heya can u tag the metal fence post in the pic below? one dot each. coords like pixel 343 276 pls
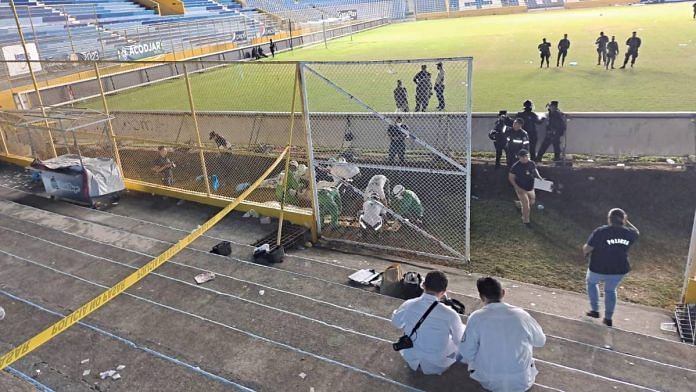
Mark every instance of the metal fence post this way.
pixel 96 22
pixel 469 108
pixel 33 32
pixel 33 76
pixel 3 139
pixel 112 134
pixel 690 270
pixel 287 159
pixel 310 153
pixel 67 28
pixel 198 133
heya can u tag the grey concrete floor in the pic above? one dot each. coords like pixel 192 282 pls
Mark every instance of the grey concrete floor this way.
pixel 296 326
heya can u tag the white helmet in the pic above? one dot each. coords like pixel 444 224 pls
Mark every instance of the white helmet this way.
pixel 398 190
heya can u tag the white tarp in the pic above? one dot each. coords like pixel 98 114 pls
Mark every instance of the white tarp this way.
pixel 103 176
pixel 16 52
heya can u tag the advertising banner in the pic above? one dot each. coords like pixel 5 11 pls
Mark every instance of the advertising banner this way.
pixel 16 52
pixel 140 51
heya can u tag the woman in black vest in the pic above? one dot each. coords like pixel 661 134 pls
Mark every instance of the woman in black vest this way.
pixel 608 249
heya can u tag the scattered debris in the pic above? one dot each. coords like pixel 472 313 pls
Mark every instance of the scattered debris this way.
pixel 120 367
pixel 311 389
pixel 533 304
pixel 2 313
pixel 308 244
pixel 668 327
pixel 262 292
pixel 86 372
pixel 540 207
pixel 590 160
pixel 116 376
pixel 251 214
pixel 671 161
pixel 302 375
pixel 107 374
pixel 608 347
pixel 265 220
pixel 515 286
pixel 573 63
pixel 84 361
pixel 204 277
pixel 621 165
pixel 242 187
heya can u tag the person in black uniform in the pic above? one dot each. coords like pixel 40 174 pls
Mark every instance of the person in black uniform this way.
pixel 517 139
pixel 499 135
pixel 612 52
pixel 694 11
pixel 563 46
pixel 521 176
pixel 398 132
pixel 633 44
pixel 555 129
pixel 424 87
pixel 608 248
pixel 601 43
pixel 401 97
pixel 272 46
pixel 530 121
pixel 544 52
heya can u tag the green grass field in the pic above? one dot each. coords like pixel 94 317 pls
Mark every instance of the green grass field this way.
pixel 506 65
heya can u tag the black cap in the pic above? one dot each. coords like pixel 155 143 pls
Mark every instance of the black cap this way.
pixel 502 112
pixel 553 103
pixel 527 104
pixel 440 64
pixel 522 153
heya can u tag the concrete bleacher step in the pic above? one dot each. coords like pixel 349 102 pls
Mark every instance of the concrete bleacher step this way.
pixel 571 354
pixel 275 317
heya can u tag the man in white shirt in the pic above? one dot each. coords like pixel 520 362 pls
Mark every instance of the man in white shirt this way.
pixel 435 343
pixel 498 342
pixel 440 87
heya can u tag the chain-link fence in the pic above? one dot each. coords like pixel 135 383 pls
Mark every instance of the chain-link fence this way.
pixel 391 148
pixel 221 124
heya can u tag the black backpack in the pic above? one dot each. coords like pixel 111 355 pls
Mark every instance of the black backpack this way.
pixel 224 249
pixel 411 285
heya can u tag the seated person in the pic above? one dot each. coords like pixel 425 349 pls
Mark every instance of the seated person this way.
pixel 498 342
pixel 435 343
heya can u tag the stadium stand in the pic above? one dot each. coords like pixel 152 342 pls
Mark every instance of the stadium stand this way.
pixel 88 30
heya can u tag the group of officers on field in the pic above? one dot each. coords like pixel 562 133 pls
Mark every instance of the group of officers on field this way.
pixel 607 50
pixel 512 134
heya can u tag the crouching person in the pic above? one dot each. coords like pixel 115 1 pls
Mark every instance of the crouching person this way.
pixel 433 329
pixel 498 342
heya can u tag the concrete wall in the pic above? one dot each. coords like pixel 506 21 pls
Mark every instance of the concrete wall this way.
pixel 615 134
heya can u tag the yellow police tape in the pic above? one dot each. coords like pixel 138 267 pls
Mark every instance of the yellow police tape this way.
pixel 84 310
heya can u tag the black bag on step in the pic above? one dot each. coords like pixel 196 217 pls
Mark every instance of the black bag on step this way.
pixel 224 249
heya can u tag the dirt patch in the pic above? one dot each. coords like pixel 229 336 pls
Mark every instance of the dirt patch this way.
pixel 660 203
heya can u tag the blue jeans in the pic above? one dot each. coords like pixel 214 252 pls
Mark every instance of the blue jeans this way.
pixel 611 282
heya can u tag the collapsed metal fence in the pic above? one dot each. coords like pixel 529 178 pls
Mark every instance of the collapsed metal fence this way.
pixel 347 134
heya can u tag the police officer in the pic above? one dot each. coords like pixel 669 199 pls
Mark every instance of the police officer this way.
pixel 499 136
pixel 612 52
pixel 530 121
pixel 555 129
pixel 517 139
pixel 563 46
pixel 601 43
pixel 401 97
pixel 424 88
pixel 633 44
pixel 544 52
